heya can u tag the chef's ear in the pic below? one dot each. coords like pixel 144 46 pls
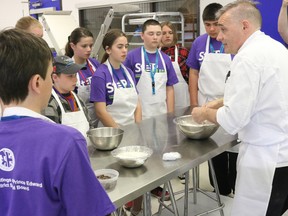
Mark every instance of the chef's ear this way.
pixel 245 24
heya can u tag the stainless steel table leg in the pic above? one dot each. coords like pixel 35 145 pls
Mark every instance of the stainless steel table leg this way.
pixel 147 204
pixel 198 176
pixel 186 192
pixel 172 197
pixel 161 201
pixel 195 184
pixel 220 204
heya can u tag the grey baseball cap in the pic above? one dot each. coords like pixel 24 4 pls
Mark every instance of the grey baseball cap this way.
pixel 64 64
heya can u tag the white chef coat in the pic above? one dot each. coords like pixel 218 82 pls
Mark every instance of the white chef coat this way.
pixel 256 107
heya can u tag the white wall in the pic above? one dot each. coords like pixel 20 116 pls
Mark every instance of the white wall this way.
pixel 70 5
pixel 11 11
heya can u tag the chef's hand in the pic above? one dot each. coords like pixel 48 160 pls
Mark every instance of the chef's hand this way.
pixel 199 114
pixel 285 3
pixel 215 104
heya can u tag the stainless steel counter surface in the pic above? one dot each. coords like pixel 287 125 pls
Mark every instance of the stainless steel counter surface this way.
pixel 162 135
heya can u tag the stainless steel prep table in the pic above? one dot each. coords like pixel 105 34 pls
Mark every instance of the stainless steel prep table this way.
pixel 161 134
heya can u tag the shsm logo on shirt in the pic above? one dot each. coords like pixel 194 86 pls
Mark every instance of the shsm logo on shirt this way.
pixel 7 159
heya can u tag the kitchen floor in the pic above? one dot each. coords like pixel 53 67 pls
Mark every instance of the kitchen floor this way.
pixel 203 202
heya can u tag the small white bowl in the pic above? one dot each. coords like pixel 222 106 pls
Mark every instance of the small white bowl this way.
pixel 107 178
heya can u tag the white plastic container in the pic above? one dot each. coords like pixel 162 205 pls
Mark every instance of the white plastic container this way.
pixel 107 178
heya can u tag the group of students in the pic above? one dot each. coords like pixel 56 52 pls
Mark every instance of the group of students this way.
pixel 127 87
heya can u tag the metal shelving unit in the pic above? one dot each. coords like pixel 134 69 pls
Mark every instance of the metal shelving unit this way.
pixel 132 22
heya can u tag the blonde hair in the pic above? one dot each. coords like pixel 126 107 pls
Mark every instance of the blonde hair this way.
pixel 26 22
pixel 173 28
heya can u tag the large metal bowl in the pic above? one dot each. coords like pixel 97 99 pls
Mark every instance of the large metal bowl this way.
pixel 105 138
pixel 194 130
pixel 132 156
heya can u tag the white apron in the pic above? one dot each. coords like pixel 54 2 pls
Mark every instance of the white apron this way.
pixel 152 104
pixel 181 89
pixel 213 71
pixel 125 101
pixel 83 92
pixel 75 119
pixel 255 171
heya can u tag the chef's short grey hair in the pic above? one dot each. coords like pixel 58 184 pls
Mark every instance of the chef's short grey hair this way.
pixel 243 10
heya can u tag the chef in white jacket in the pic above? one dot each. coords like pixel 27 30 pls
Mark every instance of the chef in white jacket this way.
pixel 255 106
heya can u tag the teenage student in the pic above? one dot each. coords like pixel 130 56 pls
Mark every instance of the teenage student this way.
pixel 255 106
pixel 113 87
pixel 153 71
pixel 178 55
pixel 79 47
pixel 113 90
pixel 155 77
pixel 64 106
pixel 45 168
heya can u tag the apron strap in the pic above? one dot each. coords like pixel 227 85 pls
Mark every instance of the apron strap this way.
pixel 176 54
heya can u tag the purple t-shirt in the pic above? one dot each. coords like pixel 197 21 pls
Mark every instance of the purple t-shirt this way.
pixel 86 74
pixel 133 61
pixel 102 89
pixel 198 49
pixel 45 170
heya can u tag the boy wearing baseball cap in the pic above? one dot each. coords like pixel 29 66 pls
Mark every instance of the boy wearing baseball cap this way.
pixel 64 106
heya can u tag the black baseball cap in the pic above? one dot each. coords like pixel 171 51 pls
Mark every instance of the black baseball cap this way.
pixel 64 64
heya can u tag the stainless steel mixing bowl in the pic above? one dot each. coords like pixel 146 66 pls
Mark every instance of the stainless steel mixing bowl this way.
pixel 105 138
pixel 132 156
pixel 194 130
